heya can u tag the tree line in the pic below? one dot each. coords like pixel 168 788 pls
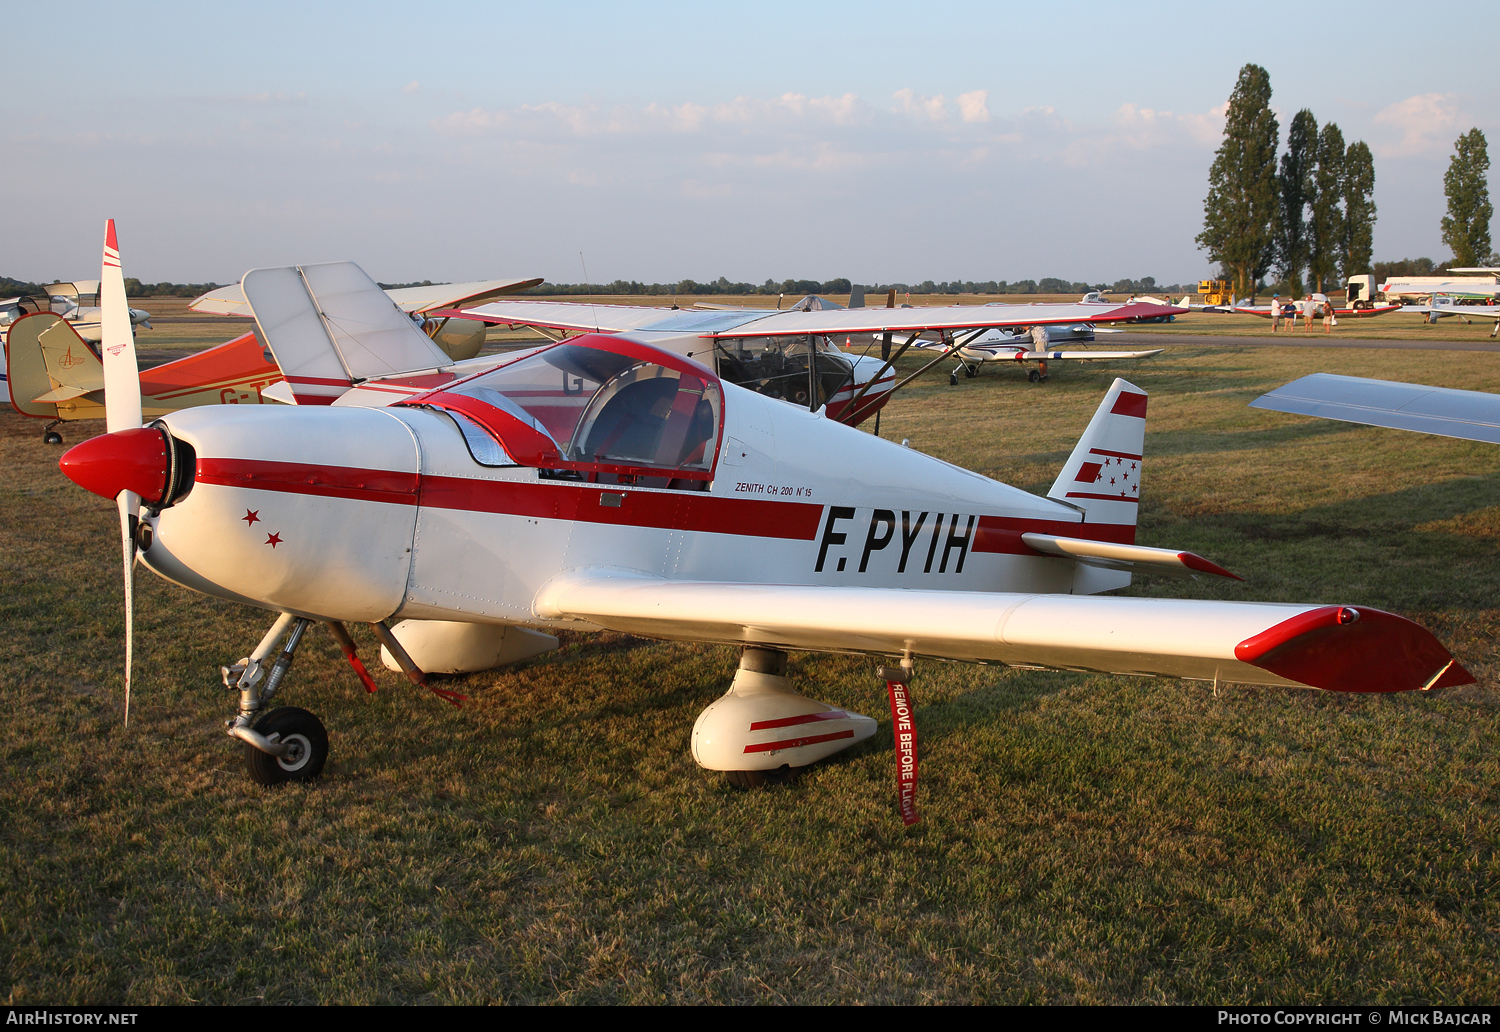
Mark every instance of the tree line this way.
pixel 723 287
pixel 1313 211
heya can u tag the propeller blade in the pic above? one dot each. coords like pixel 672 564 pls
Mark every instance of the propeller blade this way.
pixel 129 504
pixel 122 411
pixel 122 377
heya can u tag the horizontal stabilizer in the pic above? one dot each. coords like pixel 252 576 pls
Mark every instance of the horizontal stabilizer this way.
pixel 1333 647
pixel 60 394
pixel 1106 553
pixel 1470 415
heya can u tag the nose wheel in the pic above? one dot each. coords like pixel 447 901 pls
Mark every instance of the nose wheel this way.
pixel 303 739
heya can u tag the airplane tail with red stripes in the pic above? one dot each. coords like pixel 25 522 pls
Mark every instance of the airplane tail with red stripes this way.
pixel 1103 475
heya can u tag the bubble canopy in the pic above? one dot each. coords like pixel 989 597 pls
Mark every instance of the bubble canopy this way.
pixel 613 409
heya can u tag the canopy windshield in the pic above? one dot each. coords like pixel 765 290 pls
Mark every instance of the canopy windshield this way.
pixel 617 410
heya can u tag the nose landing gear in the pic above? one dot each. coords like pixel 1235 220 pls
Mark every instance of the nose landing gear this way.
pixel 287 743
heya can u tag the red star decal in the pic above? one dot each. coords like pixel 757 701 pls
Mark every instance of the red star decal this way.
pixel 273 539
pixel 1111 481
pixel 251 518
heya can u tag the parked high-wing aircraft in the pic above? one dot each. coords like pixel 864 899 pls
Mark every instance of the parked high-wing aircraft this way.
pixel 58 376
pixel 459 340
pixel 1442 306
pixel 791 354
pixel 1471 415
pixel 78 303
pixel 1020 345
pixel 607 482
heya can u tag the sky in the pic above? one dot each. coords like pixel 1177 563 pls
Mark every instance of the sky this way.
pixel 656 142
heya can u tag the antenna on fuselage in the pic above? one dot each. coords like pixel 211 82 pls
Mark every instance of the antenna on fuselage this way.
pixel 590 288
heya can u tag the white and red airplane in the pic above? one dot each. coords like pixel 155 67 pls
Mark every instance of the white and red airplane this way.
pixel 606 482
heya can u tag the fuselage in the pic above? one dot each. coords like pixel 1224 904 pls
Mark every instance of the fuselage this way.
pixel 363 513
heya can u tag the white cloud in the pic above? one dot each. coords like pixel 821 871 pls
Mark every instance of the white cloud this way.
pixel 412 87
pixel 1426 122
pixel 972 106
pixel 915 104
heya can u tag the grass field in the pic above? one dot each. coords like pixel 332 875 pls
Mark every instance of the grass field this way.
pixel 1084 838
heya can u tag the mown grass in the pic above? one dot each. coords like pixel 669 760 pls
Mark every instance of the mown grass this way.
pixel 1084 838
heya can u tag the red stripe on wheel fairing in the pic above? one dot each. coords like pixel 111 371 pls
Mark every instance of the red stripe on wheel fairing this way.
pixel 806 718
pixel 796 743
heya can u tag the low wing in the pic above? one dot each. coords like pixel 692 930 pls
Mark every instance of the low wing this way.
pixel 1470 415
pixel 1332 647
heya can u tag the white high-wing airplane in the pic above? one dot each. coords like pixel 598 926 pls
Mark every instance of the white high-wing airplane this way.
pixel 1021 344
pixel 791 354
pixel 606 482
pixel 1441 306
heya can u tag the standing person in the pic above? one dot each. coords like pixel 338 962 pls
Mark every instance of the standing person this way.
pixel 1275 311
pixel 1310 310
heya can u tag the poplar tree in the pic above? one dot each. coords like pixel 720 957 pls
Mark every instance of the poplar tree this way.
pixel 1466 227
pixel 1239 214
pixel 1295 183
pixel 1359 209
pixel 1326 227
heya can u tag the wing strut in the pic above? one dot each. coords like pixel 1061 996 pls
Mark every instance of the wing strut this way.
pixel 853 412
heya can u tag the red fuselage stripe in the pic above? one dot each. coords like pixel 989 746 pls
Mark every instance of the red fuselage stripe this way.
pixel 561 500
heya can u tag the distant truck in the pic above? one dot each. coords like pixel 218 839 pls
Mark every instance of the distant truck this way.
pixel 1483 288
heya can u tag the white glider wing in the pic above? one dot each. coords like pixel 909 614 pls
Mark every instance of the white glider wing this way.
pixel 1470 415
pixel 1339 648
pixel 230 300
pixel 330 326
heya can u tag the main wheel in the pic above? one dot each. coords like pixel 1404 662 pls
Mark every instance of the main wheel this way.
pixel 305 735
pixel 970 372
pixel 762 778
pixel 1034 376
pixel 52 437
pixel 953 378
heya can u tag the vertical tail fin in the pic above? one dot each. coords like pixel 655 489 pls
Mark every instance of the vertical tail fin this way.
pixel 1103 475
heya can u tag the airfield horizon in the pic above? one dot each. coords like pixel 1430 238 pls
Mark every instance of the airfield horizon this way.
pixel 1085 838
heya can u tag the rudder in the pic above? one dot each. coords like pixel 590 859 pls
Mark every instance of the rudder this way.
pixel 1103 475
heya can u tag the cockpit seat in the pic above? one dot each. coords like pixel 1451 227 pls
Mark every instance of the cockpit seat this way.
pixel 631 424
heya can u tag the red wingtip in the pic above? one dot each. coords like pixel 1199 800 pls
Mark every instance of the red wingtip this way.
pixel 109 236
pixel 1201 565
pixel 1349 649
